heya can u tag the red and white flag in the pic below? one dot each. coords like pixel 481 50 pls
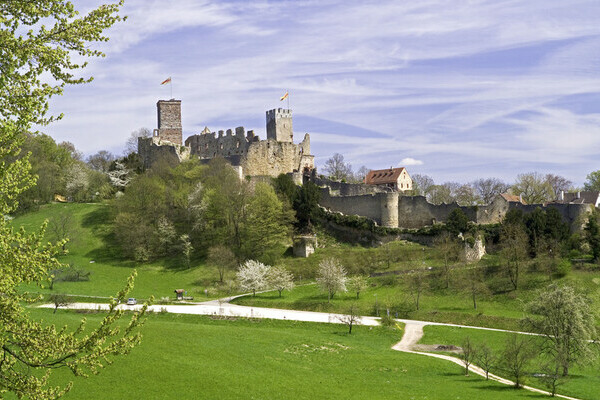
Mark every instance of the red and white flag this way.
pixel 168 80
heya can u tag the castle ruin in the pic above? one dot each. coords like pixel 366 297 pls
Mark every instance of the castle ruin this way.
pixel 249 155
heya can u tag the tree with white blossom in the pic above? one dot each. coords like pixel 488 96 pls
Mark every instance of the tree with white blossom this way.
pixel 252 275
pixel 280 279
pixel 331 276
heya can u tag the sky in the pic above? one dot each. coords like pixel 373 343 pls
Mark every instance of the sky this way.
pixel 457 90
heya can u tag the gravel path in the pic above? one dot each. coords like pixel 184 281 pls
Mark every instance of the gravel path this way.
pixel 413 332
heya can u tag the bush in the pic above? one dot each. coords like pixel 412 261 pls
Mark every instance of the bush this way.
pixel 563 268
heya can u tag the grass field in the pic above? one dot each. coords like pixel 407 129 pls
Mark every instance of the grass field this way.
pixel 583 382
pixel 202 358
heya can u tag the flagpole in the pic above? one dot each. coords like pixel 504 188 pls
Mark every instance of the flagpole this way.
pixel 288 98
pixel 171 85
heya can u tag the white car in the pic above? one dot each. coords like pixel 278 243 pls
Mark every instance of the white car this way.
pixel 131 301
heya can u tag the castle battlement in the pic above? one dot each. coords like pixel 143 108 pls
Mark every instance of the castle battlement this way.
pixel 279 113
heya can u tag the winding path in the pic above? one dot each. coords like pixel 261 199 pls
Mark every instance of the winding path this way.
pixel 413 331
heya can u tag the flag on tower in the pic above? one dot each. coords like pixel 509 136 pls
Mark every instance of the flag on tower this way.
pixel 168 80
pixel 285 96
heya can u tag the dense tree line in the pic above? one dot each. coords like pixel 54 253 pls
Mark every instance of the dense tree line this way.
pixel 206 204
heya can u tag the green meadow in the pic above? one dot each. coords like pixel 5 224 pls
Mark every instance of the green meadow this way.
pixel 203 358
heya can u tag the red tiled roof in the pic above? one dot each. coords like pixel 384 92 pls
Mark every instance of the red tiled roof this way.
pixel 383 176
pixel 511 198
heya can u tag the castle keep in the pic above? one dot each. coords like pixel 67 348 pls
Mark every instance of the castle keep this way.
pixel 244 150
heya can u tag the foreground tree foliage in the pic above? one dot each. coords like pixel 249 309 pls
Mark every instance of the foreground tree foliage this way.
pixel 38 38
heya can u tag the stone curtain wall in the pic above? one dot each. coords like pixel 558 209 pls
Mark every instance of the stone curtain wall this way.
pixel 393 210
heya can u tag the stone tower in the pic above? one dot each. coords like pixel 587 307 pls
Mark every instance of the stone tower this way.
pixel 279 125
pixel 169 120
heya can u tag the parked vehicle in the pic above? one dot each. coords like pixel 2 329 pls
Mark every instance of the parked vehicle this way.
pixel 131 301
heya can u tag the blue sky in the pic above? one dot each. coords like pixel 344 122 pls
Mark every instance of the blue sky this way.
pixel 456 90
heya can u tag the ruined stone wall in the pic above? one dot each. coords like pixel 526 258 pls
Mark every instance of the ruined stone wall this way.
pixel 154 148
pixel 271 158
pixel 416 212
pixel 347 189
pixel 368 205
pixel 224 144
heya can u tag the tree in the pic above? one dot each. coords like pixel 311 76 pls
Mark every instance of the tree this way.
pixel 306 206
pixel 227 200
pixel 267 222
pixel 534 188
pixel 358 284
pixel 592 235
pixel 513 241
pixel 166 234
pixel 101 161
pixel 62 227
pixel 223 258
pixel 567 323
pixel 337 169
pixel 592 181
pixel 517 356
pixel 457 222
pixel 422 184
pixel 186 248
pixel 488 189
pixel 361 174
pixel 351 317
pixel 252 275
pixel 486 359
pixel 131 145
pixel 468 353
pixel 551 376
pixel 59 300
pixel 416 284
pixel 558 184
pixel 331 277
pixel 448 248
pixel 465 195
pixel 119 176
pixel 280 279
pixel 438 194
pixel 37 40
pixel 474 284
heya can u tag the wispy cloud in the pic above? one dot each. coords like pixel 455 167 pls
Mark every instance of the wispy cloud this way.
pixel 472 89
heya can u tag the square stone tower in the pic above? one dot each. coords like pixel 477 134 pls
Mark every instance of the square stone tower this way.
pixel 279 125
pixel 169 120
